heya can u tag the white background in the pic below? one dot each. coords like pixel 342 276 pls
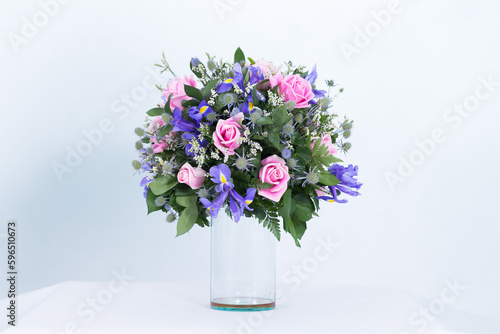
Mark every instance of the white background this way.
pixel 440 222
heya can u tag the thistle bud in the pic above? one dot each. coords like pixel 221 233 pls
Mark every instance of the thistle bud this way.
pixel 290 105
pixel 138 145
pixel 299 118
pixel 324 102
pixel 346 146
pixel 195 62
pixel 166 118
pixel 211 65
pixel 171 217
pixel 136 165
pixel 150 151
pixel 347 133
pixel 347 126
pixel 160 201
pixel 139 132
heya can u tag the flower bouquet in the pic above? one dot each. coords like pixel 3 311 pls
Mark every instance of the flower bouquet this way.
pixel 248 137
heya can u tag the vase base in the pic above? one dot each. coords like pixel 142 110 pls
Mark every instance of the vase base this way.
pixel 245 304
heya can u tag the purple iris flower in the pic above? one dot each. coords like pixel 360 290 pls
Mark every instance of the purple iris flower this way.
pixel 348 183
pixel 221 176
pixel 311 77
pixel 180 124
pixel 256 74
pixel 145 183
pixel 227 84
pixel 247 107
pixel 197 113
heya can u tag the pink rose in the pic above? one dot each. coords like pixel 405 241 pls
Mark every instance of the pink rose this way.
pixel 159 145
pixel 294 87
pixel 266 67
pixel 227 133
pixel 275 172
pixel 176 87
pixel 326 140
pixel 191 176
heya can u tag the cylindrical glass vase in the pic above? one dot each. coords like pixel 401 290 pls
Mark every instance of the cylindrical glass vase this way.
pixel 243 265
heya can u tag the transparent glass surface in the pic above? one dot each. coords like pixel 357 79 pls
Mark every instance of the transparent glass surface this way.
pixel 243 265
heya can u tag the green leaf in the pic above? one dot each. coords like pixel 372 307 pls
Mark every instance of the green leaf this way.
pixel 155 112
pixel 328 179
pixel 285 210
pixel 239 56
pixel 273 226
pixel 165 129
pixel 150 201
pixel 315 149
pixel 183 190
pixel 193 92
pixel 265 185
pixel 167 105
pixel 199 75
pixel 304 152
pixel 280 117
pixel 264 120
pixel 274 138
pixel 145 140
pixel 290 228
pixel 187 220
pixel 208 87
pixel 162 184
pixel 251 61
pixel 187 201
pixel 190 103
pixel 260 213
pixel 304 207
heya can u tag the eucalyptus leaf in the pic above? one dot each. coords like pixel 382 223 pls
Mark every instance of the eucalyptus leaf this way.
pixel 187 201
pixel 187 219
pixel 155 112
pixel 162 184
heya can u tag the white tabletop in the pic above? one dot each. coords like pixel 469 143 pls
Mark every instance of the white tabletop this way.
pixel 97 307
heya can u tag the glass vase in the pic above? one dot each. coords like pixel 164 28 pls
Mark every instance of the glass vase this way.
pixel 243 265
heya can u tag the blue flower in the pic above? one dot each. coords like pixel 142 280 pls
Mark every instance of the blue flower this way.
pixel 221 175
pixel 311 77
pixel 197 113
pixel 348 183
pixel 145 183
pixel 237 79
pixel 180 124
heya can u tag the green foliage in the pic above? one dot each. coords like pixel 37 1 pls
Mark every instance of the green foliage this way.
pixel 280 117
pixel 162 184
pixel 187 201
pixel 155 112
pixel 328 179
pixel 150 202
pixel 193 92
pixel 274 138
pixel 208 87
pixel 187 219
pixel 264 121
pixel 239 56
